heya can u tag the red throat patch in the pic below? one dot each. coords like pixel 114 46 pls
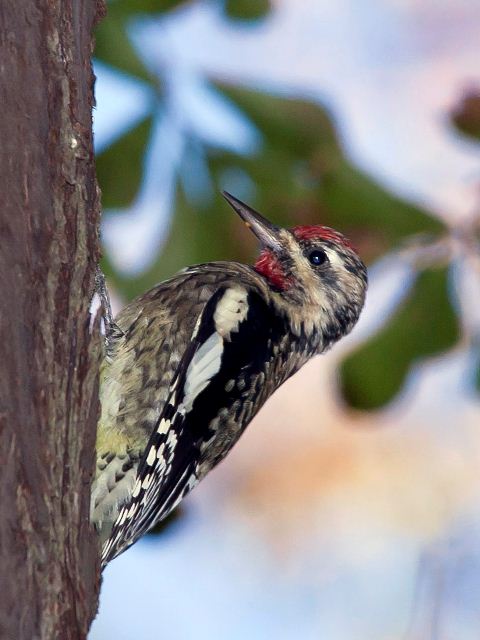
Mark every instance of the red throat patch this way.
pixel 268 265
pixel 319 232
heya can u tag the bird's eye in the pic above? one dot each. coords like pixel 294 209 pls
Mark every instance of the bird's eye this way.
pixel 317 257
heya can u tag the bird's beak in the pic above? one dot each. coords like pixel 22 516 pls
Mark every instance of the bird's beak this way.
pixel 266 232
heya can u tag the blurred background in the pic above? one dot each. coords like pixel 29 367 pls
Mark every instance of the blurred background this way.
pixel 351 507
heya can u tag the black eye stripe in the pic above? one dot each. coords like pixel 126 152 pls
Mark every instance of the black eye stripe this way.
pixel 317 257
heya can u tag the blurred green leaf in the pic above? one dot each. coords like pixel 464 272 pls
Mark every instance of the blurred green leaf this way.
pixel 199 233
pixel 132 7
pixel 303 175
pixel 424 325
pixel 466 116
pixel 297 126
pixel 120 166
pixel 247 9
pixel 356 203
pixel 113 46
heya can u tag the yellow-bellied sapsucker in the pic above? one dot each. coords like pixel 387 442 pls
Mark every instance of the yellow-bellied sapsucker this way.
pixel 189 363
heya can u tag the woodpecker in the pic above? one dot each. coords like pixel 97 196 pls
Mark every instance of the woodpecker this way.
pixel 189 363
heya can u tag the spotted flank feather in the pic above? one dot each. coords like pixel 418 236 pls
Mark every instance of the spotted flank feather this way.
pixel 159 486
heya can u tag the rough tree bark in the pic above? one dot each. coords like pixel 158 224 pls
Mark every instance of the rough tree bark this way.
pixel 49 213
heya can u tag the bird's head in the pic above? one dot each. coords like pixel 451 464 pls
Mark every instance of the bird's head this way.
pixel 313 269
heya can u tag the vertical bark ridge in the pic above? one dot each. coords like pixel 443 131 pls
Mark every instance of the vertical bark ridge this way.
pixel 49 215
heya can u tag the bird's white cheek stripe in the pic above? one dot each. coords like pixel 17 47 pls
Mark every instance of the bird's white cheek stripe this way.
pixel 334 258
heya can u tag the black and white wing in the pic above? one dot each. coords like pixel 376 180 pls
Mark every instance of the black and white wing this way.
pixel 227 372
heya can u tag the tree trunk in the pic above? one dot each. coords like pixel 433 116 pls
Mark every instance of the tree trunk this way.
pixel 49 214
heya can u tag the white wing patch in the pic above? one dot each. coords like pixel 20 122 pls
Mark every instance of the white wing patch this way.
pixel 231 310
pixel 204 365
pixel 334 257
